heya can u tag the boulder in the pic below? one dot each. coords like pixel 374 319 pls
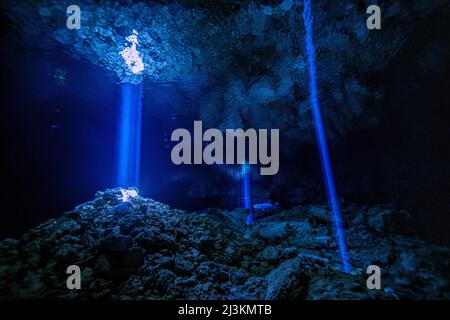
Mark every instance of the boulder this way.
pixel 273 231
pixel 128 222
pixel 321 214
pixel 386 220
pixel 183 266
pixel 287 281
pixel 269 254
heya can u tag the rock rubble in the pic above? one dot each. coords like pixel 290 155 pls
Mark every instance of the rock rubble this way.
pixel 142 249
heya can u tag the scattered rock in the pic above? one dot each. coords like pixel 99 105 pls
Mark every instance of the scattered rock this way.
pixel 69 253
pixel 129 222
pixel 286 282
pixel 124 208
pixel 274 231
pixel 323 215
pixel 269 254
pixel 144 250
pixel 386 220
pixel 165 262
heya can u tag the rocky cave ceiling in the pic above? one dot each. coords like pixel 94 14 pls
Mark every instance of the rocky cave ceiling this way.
pixel 245 55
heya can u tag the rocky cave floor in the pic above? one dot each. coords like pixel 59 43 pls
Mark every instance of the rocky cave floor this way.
pixel 142 249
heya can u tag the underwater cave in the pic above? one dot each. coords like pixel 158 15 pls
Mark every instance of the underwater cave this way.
pixel 354 120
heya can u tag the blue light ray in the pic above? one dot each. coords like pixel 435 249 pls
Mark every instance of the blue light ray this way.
pixel 129 135
pixel 321 138
pixel 246 191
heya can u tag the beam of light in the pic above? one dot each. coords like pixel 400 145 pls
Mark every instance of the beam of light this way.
pixel 321 138
pixel 131 54
pixel 246 191
pixel 263 206
pixel 127 194
pixel 129 135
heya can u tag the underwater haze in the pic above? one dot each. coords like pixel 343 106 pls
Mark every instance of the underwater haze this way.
pixel 320 170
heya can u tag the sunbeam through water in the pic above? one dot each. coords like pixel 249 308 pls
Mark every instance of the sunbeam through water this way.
pixel 321 138
pixel 129 135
